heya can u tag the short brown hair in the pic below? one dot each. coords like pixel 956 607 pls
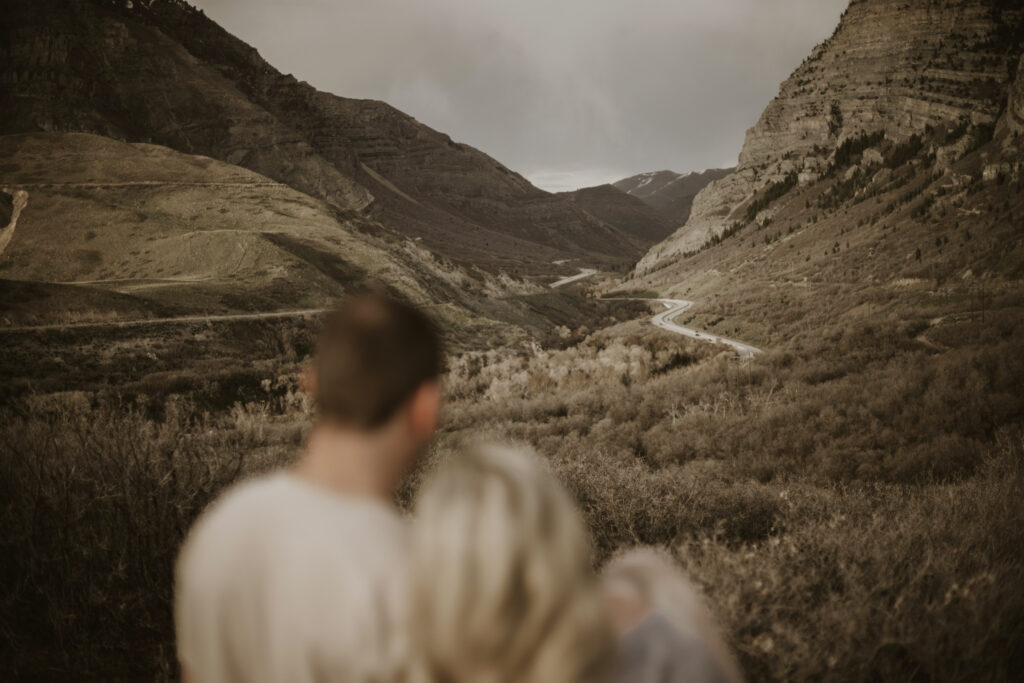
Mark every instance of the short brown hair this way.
pixel 374 352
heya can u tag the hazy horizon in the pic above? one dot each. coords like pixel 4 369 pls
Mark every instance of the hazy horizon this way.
pixel 569 95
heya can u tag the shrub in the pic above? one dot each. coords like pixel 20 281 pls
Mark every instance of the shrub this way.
pixel 96 503
pixel 878 583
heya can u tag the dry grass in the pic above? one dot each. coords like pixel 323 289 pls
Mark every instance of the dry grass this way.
pixel 879 582
pixel 96 500
pixel 848 501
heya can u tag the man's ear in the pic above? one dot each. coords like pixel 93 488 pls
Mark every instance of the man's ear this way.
pixel 425 409
pixel 307 380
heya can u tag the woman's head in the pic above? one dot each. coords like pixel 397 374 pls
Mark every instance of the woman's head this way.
pixel 645 582
pixel 503 589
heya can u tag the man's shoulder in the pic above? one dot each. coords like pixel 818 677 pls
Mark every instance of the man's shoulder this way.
pixel 279 526
pixel 281 510
pixel 244 506
pixel 247 498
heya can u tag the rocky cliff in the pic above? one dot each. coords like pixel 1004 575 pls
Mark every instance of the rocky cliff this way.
pixel 897 67
pixel 160 71
pixel 669 193
pixel 1011 125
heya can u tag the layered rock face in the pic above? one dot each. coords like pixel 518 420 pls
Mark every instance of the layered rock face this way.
pixel 669 193
pixel 1011 124
pixel 160 71
pixel 896 66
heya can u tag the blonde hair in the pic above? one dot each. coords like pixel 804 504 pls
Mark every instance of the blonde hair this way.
pixel 502 584
pixel 661 587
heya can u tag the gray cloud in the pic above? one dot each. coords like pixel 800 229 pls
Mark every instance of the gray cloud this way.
pixel 567 92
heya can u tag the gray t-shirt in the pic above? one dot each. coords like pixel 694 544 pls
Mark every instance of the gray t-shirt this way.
pixel 656 652
pixel 283 581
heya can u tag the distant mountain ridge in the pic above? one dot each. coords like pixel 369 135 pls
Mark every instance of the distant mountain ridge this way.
pixel 629 214
pixel 668 192
pixel 160 71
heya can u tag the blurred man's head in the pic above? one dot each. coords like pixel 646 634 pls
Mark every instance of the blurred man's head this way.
pixel 335 567
pixel 377 367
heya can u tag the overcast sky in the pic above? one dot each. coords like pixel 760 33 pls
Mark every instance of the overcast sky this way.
pixel 567 92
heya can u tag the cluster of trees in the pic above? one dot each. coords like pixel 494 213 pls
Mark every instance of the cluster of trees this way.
pixel 771 193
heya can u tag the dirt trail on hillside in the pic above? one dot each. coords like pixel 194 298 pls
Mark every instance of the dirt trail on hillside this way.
pixel 19 200
pixel 126 285
pixel 584 272
pixel 297 313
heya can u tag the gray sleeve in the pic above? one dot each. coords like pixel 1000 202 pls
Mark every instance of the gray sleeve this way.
pixel 655 652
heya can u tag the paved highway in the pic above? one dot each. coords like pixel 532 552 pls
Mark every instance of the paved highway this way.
pixel 675 307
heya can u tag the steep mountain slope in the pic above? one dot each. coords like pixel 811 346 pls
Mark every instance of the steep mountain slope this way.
pixel 893 67
pixel 160 71
pixel 903 202
pixel 670 193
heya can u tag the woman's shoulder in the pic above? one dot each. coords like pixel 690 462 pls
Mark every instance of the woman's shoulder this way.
pixel 655 651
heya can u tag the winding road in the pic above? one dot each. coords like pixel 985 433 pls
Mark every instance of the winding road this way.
pixel 673 307
pixel 664 319
pixel 677 306
pixel 584 272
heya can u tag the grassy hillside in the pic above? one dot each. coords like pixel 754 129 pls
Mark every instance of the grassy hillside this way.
pixel 629 214
pixel 191 233
pixel 849 494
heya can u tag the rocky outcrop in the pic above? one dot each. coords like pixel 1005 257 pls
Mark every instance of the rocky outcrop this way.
pixel 12 203
pixel 670 193
pixel 162 72
pixel 1011 125
pixel 896 66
